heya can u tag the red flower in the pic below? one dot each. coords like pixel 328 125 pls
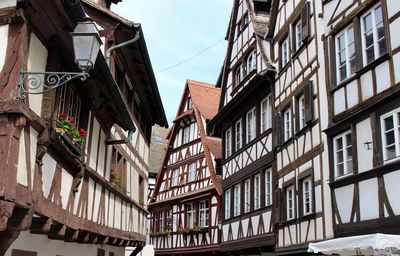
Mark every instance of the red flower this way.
pixel 61 115
pixel 71 119
pixel 82 132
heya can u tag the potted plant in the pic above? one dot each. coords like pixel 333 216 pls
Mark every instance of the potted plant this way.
pixel 114 178
pixel 66 128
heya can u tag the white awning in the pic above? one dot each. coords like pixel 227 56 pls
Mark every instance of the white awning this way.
pixel 374 244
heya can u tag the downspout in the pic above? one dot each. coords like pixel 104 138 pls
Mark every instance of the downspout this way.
pixel 108 58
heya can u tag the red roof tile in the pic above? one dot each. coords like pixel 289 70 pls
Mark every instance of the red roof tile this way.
pixel 206 98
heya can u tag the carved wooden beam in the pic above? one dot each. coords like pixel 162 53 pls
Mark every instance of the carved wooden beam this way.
pixel 57 231
pixel 21 219
pixel 71 235
pixel 83 237
pixel 102 239
pixel 6 239
pixel 6 209
pixel 41 225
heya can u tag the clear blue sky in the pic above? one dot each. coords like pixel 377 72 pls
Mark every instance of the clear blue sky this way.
pixel 176 30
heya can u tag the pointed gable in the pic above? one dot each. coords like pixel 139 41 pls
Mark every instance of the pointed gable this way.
pixel 205 97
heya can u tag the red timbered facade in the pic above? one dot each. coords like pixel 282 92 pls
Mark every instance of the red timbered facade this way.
pixel 185 206
pixel 54 189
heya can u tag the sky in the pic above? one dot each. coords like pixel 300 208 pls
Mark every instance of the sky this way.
pixel 176 30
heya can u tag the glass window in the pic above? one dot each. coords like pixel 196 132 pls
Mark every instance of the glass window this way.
pixel 290 203
pixel 287 123
pixel 373 35
pixel 238 135
pixel 268 187
pixel 251 124
pixel 190 215
pixel 343 156
pixel 257 190
pixel 390 124
pixel 227 204
pixel 236 200
pixel 192 172
pixel 186 135
pixel 285 51
pixel 298 33
pixel 251 61
pixel 239 75
pixel 161 222
pixel 307 196
pixel 302 113
pixel 345 54
pixel 175 178
pixel 228 142
pixel 247 195
pixel 266 113
pixel 203 213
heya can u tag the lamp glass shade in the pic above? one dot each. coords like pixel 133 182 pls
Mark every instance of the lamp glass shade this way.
pixel 86 41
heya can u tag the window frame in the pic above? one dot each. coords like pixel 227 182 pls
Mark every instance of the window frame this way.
pixel 251 61
pixel 228 142
pixel 266 114
pixel 344 150
pixel 227 203
pixel 247 196
pixel 287 131
pixel 301 111
pixel 206 211
pixel 257 192
pixel 191 172
pixel 236 200
pixel 395 115
pixel 238 135
pixel 345 32
pixel 304 197
pixel 190 215
pixel 251 127
pixel 239 73
pixel 186 135
pixel 175 177
pixel 268 187
pixel 290 202
pixel 298 42
pixel 284 45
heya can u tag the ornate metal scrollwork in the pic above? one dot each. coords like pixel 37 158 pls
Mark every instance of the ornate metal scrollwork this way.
pixel 41 82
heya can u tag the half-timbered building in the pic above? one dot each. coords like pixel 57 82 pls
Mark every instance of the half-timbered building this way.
pixel 362 56
pixel 54 188
pixel 185 206
pixel 244 122
pixel 302 194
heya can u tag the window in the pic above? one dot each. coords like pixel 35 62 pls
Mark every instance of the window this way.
pixel 189 103
pixel 227 204
pixel 390 124
pixel 298 35
pixel 345 54
pixel 301 112
pixel 266 114
pixel 161 222
pixel 268 187
pixel 343 158
pixel 285 51
pixel 290 203
pixel 236 200
pixel 169 220
pixel 186 135
pixel 251 125
pixel 192 172
pixel 373 35
pixel 190 215
pixel 247 195
pixel 307 196
pixel 238 135
pixel 257 189
pixel 70 104
pixel 238 75
pixel 228 143
pixel 203 213
pixel 175 178
pixel 287 124
pixel 251 62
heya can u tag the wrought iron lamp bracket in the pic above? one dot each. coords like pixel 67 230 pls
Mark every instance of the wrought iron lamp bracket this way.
pixel 41 82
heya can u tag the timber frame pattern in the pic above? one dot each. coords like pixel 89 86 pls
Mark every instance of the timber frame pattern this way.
pixel 45 188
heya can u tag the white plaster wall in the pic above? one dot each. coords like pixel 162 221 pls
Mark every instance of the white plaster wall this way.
pixel 22 177
pixel 364 134
pixel 66 186
pixel 3 42
pixel 394 7
pixel 7 3
pixel 382 76
pixel 393 190
pixel 45 247
pixel 49 167
pixel 37 60
pixel 344 200
pixel 369 202
pixel 95 140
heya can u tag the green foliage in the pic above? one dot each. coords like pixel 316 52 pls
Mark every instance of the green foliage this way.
pixel 68 125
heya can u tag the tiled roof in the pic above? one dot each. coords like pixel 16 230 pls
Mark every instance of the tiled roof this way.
pixel 205 97
pixel 215 145
pixel 109 13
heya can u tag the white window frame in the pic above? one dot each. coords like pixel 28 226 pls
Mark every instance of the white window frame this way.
pixel 290 202
pixel 395 115
pixel 376 40
pixel 228 142
pixel 203 213
pixel 287 124
pixel 302 111
pixel 285 52
pixel 298 34
pixel 343 151
pixel 347 33
pixel 227 203
pixel 266 113
pixel 307 196
pixel 239 74
pixel 192 168
pixel 236 200
pixel 190 215
pixel 251 125
pixel 161 221
pixel 268 187
pixel 238 134
pixel 257 191
pixel 186 135
pixel 175 178
pixel 251 61
pixel 246 196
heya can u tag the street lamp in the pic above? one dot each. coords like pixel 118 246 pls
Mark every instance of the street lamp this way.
pixel 86 41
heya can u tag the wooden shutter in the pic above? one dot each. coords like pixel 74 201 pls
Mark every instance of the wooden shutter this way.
pixel 277 127
pixel 358 42
pixel 308 102
pixel 332 60
pixel 278 206
pixel 305 21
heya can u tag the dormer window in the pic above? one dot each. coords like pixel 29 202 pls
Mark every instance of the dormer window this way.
pixel 251 62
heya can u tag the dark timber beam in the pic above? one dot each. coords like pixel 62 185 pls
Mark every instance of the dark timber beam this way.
pixel 7 237
pixel 41 225
pixel 136 251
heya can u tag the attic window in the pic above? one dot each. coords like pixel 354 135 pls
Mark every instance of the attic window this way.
pixel 262 6
pixel 189 103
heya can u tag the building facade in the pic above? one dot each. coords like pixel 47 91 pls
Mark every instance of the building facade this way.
pixel 185 206
pixel 61 192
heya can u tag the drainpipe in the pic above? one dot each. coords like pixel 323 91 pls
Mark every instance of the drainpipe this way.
pixel 129 42
pixel 124 141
